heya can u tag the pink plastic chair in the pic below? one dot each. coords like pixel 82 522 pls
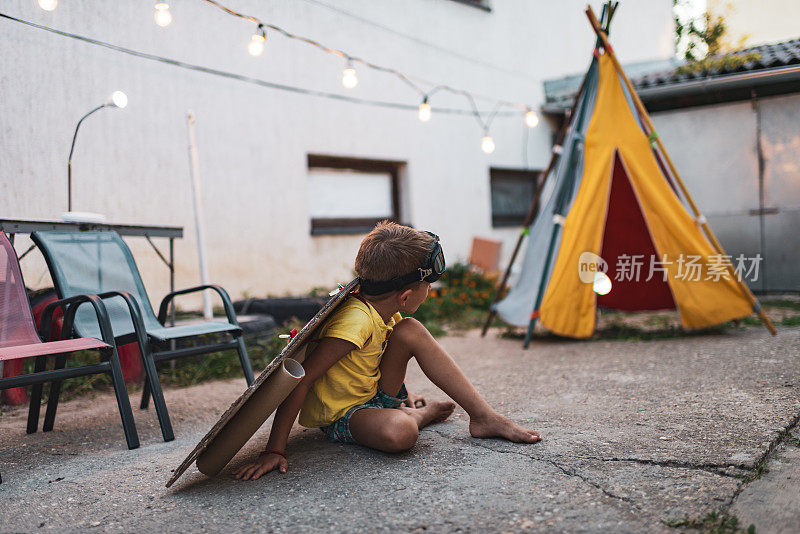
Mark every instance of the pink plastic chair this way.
pixel 19 339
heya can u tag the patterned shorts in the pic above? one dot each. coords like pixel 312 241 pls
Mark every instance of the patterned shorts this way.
pixel 339 430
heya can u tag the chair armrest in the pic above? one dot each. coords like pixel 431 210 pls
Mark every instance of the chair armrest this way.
pixel 135 311
pixel 226 302
pixel 136 316
pixel 70 306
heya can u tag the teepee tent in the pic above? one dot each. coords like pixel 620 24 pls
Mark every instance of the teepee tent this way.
pixel 613 230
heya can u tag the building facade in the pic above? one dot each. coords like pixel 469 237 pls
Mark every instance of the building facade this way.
pixel 287 179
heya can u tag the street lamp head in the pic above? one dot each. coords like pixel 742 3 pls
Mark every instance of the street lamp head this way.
pixel 118 99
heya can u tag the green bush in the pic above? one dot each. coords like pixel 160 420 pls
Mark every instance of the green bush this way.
pixel 460 299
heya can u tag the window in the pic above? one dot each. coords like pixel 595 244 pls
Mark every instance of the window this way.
pixel 512 194
pixel 349 195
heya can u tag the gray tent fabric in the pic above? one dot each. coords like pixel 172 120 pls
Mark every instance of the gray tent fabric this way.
pixel 559 191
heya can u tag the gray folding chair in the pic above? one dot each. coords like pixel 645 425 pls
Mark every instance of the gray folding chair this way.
pixel 100 262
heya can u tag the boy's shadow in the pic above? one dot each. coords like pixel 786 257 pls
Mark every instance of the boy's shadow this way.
pixel 314 463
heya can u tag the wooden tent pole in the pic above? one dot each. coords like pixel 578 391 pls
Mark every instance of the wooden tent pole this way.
pixel 652 133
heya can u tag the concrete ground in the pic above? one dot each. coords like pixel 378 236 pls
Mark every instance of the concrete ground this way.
pixel 638 436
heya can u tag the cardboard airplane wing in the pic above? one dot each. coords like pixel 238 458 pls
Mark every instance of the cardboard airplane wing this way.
pixel 256 404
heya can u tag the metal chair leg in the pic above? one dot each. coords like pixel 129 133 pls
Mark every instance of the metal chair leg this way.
pixel 155 390
pixel 124 403
pixel 36 396
pixel 55 391
pixel 145 402
pixel 245 360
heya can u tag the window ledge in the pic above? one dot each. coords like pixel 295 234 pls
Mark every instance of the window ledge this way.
pixel 342 230
pixel 477 5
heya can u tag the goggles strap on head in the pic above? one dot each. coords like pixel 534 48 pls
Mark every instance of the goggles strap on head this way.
pixel 430 272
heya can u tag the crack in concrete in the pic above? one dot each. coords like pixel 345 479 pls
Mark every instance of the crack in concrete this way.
pixel 762 461
pixel 591 483
pixel 555 464
pixel 713 468
pixel 755 472
pixel 716 469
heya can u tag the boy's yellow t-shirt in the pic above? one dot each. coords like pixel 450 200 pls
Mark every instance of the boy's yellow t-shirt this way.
pixel 353 380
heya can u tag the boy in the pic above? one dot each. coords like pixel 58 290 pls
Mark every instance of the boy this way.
pixel 353 388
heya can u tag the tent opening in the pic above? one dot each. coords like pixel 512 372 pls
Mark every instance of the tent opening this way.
pixel 629 250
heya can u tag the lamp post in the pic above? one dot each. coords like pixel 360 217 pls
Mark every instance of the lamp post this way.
pixel 118 99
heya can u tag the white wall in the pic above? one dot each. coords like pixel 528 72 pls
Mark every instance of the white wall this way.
pixel 253 142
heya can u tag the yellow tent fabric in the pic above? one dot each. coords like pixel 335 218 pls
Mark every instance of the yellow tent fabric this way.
pixel 568 306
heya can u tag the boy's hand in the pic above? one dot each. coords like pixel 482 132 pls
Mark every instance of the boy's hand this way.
pixel 263 465
pixel 415 401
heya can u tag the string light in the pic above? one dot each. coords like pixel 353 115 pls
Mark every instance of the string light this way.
pixel 162 15
pixel 405 78
pixel 239 77
pixel 256 45
pixel 48 5
pixel 487 143
pixel 531 118
pixel 425 110
pixel 349 78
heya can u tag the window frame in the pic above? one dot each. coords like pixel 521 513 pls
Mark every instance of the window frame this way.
pixel 520 175
pixel 356 225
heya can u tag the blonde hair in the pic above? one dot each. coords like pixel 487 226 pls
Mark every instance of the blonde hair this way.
pixel 391 250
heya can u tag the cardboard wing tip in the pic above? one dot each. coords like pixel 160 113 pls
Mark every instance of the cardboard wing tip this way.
pixel 173 479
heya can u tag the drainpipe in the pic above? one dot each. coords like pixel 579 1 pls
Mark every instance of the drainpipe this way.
pixel 197 199
pixel 761 226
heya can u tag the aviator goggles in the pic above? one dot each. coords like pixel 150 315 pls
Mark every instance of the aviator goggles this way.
pixel 431 271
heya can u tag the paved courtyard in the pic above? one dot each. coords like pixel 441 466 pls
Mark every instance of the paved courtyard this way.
pixel 637 436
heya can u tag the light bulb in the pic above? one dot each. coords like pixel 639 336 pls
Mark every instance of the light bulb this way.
pixel 163 16
pixel 425 111
pixel 602 283
pixel 487 144
pixel 531 118
pixel 349 78
pixel 118 99
pixel 48 5
pixel 256 45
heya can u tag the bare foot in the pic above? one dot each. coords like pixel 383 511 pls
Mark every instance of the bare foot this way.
pixel 434 412
pixel 497 426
